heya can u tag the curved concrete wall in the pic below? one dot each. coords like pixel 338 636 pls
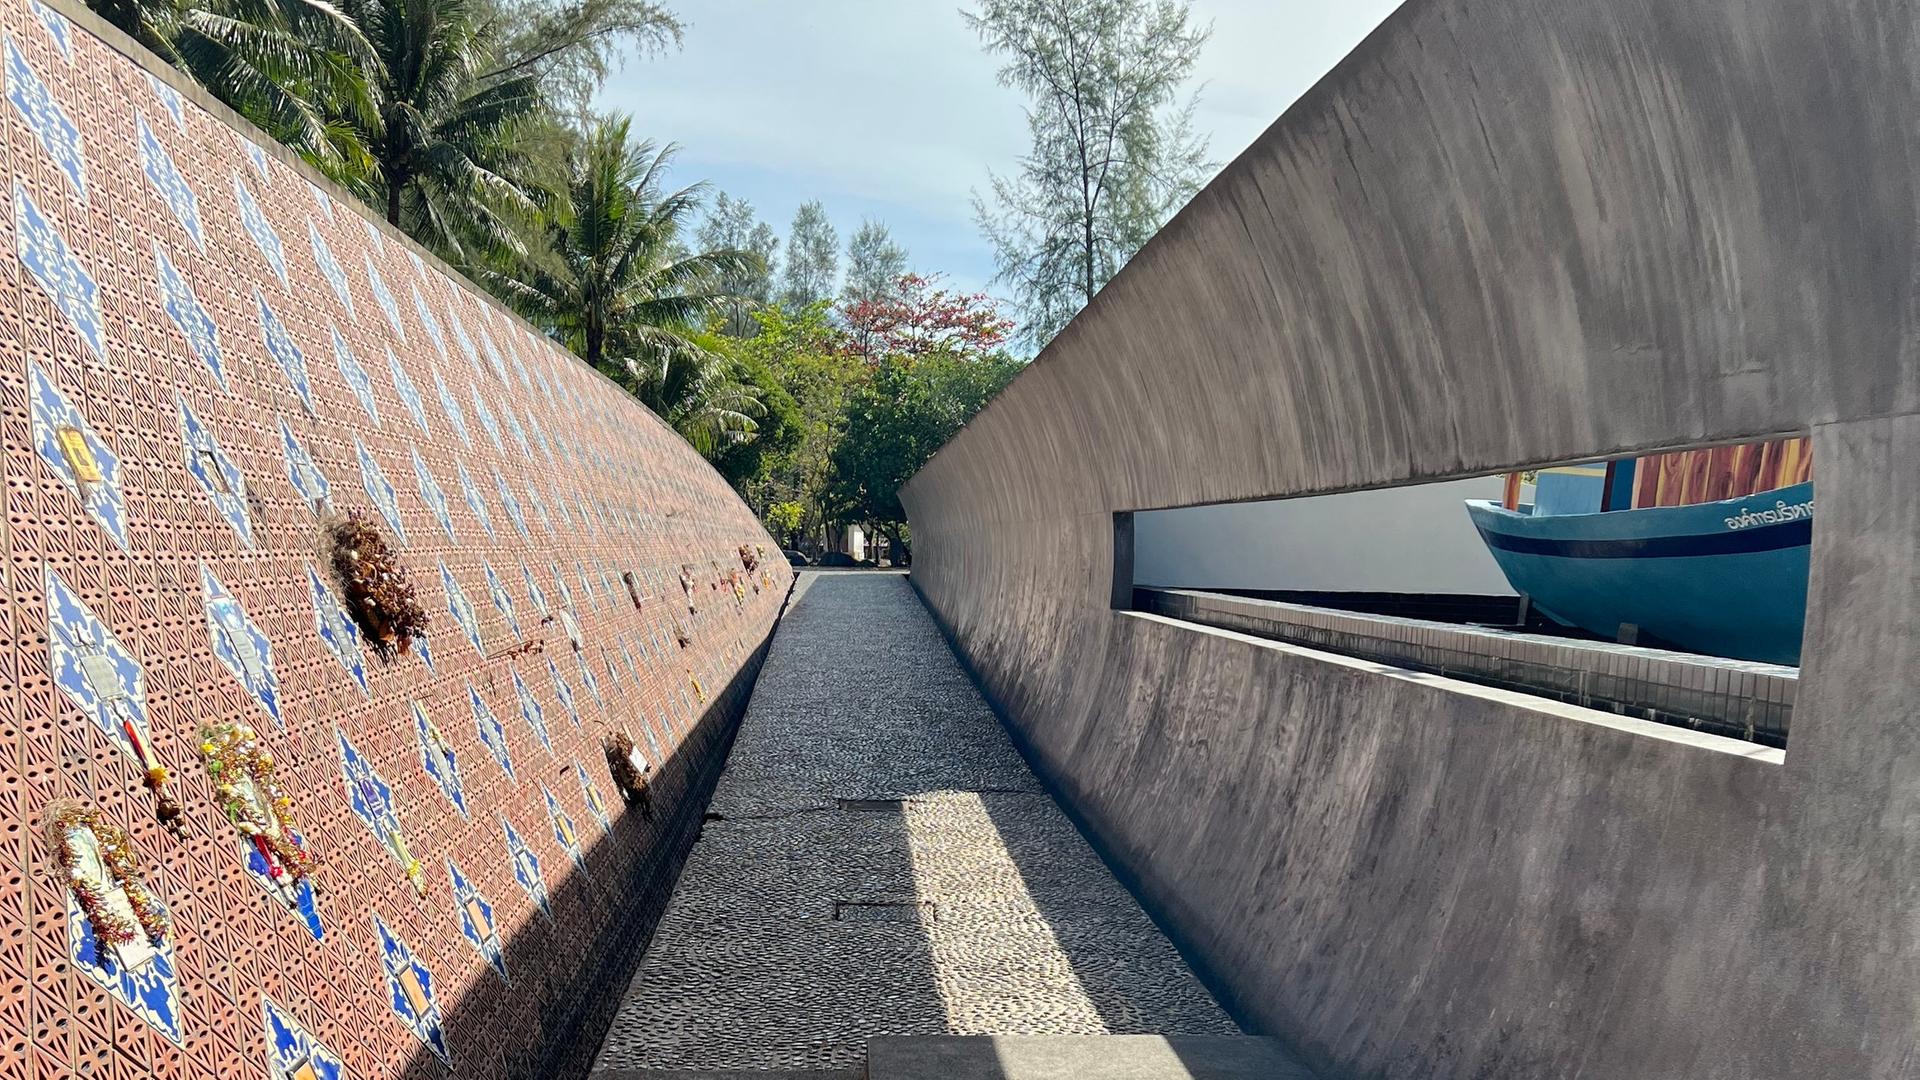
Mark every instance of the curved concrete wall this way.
pixel 537 885
pixel 1499 234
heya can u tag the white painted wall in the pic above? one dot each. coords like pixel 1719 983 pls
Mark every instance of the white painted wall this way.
pixel 1411 539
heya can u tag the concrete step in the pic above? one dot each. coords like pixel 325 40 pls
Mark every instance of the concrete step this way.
pixel 1081 1057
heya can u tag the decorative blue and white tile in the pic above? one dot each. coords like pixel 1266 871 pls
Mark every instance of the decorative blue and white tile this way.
pixel 292 1053
pixel 437 757
pixel 95 671
pixel 531 712
pixel 564 692
pixel 535 593
pixel 356 376
pixel 427 320
pixel 526 868
pixel 409 394
pixel 378 286
pixel 540 508
pixel 376 239
pixel 419 265
pixel 57 134
pixel 451 408
pixel 410 993
pixel 477 923
pixel 514 429
pixel 284 352
pixel 563 830
pixel 370 798
pixel 169 99
pixel 493 351
pixel 149 985
pixel 546 388
pixel 254 221
pixel 511 505
pixel 256 156
pixel 502 600
pixel 586 678
pixel 633 670
pixel 187 313
pixel 216 473
pixel 487 421
pixel 540 438
pixel 426 653
pixel 380 490
pixel 58 28
pixel 461 609
pixel 560 588
pixel 44 252
pixel 476 502
pixel 586 515
pixel 493 735
pixel 613 673
pixel 241 646
pixel 320 200
pixel 336 631
pixel 307 478
pixel 68 445
pixel 586 585
pixel 169 183
pixel 461 339
pixel 330 266
pixel 431 493
pixel 595 802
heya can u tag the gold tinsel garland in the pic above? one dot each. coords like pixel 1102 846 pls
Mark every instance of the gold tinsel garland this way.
pixel 232 752
pixel 379 598
pixel 122 865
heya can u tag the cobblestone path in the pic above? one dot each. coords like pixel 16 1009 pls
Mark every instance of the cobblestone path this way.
pixel 879 861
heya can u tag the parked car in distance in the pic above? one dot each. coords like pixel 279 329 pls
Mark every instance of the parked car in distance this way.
pixel 794 558
pixel 837 558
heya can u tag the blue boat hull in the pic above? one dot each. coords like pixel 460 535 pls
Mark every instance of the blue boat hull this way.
pixel 1726 578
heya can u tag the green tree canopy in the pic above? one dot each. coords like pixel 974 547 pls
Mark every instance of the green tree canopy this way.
pixel 571 46
pixel 732 225
pixel 446 159
pixel 292 67
pixel 875 264
pixel 610 280
pixel 813 258
pixel 897 419
pixel 1113 152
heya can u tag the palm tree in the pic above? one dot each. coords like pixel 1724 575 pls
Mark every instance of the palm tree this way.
pixel 611 280
pixel 296 68
pixel 443 144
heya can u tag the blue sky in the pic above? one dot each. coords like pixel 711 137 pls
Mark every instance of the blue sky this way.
pixel 889 109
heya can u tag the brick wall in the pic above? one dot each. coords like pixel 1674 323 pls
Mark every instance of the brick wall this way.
pixel 137 285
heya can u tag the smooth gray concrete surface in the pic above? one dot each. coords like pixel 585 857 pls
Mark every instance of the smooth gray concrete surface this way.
pixel 1083 1057
pixel 1729 697
pixel 815 912
pixel 1407 540
pixel 1501 233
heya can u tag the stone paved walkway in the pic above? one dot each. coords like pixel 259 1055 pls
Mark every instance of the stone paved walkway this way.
pixel 814 912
